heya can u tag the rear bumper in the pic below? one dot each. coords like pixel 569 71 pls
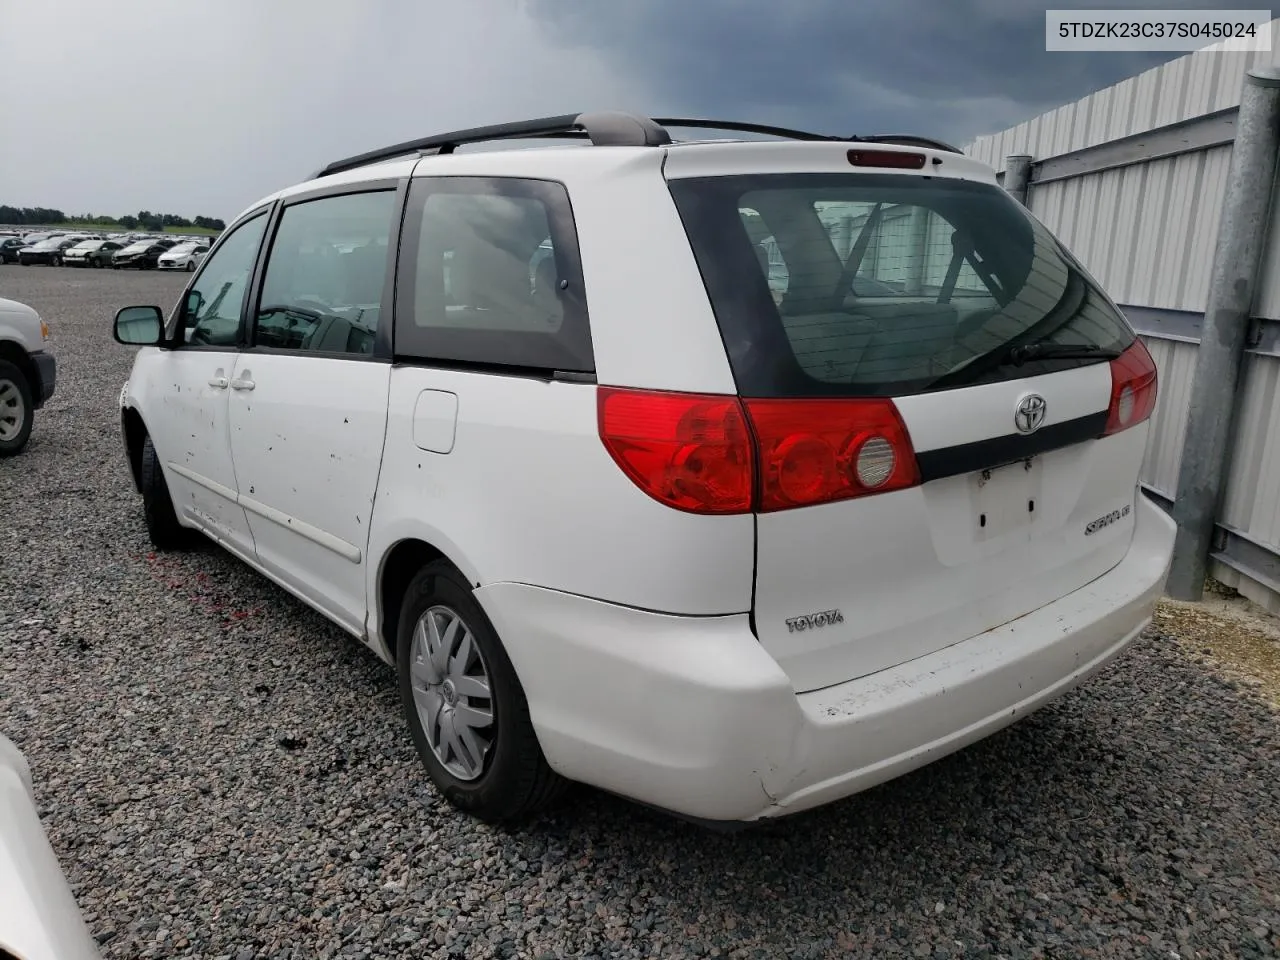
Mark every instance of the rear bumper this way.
pixel 691 715
pixel 47 371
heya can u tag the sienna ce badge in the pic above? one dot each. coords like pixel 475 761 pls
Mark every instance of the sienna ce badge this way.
pixel 1029 415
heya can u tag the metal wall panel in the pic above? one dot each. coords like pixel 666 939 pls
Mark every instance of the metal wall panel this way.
pixel 1176 365
pixel 1190 86
pixel 1146 232
pixel 1252 501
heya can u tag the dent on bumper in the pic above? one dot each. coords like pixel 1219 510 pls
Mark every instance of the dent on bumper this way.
pixel 690 714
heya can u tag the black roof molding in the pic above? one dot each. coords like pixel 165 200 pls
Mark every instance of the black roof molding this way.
pixel 602 129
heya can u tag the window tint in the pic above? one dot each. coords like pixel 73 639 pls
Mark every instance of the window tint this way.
pixel 323 285
pixel 493 276
pixel 883 285
pixel 216 298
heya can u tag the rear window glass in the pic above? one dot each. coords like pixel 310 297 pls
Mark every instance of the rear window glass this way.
pixel 883 285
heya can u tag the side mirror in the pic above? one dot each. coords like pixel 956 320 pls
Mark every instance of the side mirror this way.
pixel 139 327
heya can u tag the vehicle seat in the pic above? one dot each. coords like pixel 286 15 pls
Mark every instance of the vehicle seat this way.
pixel 493 284
pixel 364 270
pixel 914 340
pixel 829 346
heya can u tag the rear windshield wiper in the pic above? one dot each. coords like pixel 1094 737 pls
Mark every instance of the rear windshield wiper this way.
pixel 1043 350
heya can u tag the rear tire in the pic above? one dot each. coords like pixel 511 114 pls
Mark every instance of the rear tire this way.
pixel 17 410
pixel 511 779
pixel 157 506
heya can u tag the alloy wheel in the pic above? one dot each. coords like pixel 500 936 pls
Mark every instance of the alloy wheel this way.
pixel 451 690
pixel 13 411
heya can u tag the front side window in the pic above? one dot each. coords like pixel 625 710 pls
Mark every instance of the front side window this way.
pixel 216 299
pixel 884 284
pixel 493 276
pixel 322 291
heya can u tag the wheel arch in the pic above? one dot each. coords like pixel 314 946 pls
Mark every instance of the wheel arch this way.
pixel 135 431
pixel 16 354
pixel 399 565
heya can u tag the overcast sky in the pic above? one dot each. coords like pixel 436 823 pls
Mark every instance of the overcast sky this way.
pixel 199 107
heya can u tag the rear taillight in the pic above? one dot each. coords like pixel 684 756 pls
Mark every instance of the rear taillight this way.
pixel 716 454
pixel 816 451
pixel 689 451
pixel 1133 389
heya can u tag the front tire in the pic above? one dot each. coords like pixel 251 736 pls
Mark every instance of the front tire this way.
pixel 191 265
pixel 464 704
pixel 17 409
pixel 157 506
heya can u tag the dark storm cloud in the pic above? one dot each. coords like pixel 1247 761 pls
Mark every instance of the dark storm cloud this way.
pixel 952 68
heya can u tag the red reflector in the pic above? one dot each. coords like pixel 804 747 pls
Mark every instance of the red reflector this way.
pixel 887 158
pixel 1133 388
pixel 816 451
pixel 689 451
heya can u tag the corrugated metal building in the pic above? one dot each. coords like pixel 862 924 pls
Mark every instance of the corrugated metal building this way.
pixel 1132 178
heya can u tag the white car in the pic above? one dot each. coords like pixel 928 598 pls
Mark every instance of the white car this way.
pixel 28 373
pixel 636 524
pixel 184 256
pixel 39 917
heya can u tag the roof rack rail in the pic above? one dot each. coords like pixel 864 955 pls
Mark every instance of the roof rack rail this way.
pixel 602 129
pixel 734 127
pixel 907 140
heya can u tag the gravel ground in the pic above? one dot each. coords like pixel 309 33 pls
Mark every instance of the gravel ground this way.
pixel 225 775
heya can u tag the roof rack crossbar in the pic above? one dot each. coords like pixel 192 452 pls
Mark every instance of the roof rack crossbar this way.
pixel 602 129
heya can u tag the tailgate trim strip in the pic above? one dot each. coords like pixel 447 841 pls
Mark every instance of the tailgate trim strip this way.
pixel 997 451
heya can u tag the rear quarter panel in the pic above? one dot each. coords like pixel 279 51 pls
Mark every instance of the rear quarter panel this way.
pixel 528 494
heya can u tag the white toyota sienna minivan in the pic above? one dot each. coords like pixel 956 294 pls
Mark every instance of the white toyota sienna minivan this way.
pixel 733 476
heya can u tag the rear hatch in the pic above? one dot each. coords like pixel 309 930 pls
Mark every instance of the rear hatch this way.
pixel 948 414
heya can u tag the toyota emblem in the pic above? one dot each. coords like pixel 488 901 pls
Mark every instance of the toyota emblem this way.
pixel 1029 415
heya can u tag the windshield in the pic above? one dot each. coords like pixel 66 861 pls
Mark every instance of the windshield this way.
pixel 181 248
pixel 88 245
pixel 884 284
pixel 51 244
pixel 137 247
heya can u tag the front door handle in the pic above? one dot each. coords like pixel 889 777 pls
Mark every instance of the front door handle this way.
pixel 242 383
pixel 218 383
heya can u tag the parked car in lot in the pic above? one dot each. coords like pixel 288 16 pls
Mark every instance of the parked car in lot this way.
pixel 28 373
pixel 183 256
pixel 91 253
pixel 143 255
pixel 48 252
pixel 39 916
pixel 758 554
pixel 9 248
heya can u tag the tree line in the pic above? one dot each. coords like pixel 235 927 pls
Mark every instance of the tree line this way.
pixel 155 222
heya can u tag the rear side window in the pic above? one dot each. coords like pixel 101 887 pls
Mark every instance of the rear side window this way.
pixel 491 275
pixel 883 285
